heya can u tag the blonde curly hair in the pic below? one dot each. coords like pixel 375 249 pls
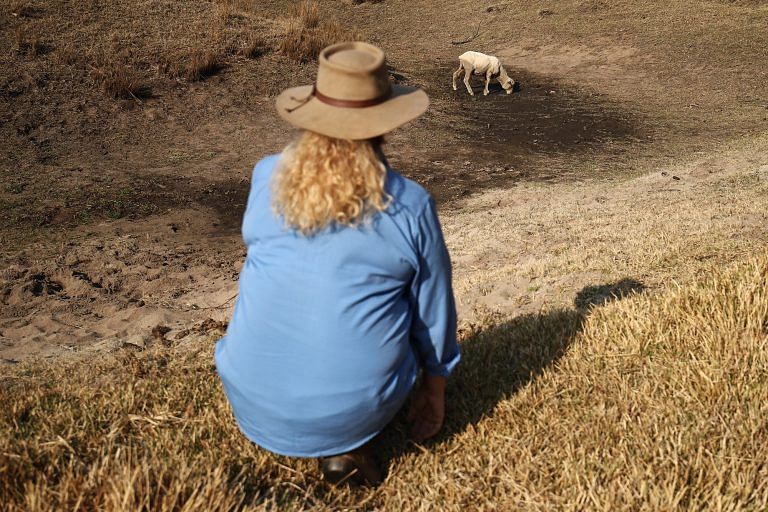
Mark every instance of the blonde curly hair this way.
pixel 322 181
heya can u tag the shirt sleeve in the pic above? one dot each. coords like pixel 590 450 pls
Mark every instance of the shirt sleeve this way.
pixel 433 328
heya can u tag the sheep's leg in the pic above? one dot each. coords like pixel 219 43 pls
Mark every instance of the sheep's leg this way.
pixel 457 74
pixel 467 76
pixel 487 81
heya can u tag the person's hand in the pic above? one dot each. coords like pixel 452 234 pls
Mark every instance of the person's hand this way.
pixel 427 408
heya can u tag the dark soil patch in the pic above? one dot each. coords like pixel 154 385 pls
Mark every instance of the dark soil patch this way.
pixel 483 141
pixel 228 199
pixel 539 118
pixel 487 141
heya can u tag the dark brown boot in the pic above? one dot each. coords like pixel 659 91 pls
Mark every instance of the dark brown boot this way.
pixel 355 467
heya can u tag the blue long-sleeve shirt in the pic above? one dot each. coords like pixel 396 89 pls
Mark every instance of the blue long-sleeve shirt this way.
pixel 329 331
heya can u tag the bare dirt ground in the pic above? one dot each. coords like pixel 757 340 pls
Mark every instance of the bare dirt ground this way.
pixel 120 216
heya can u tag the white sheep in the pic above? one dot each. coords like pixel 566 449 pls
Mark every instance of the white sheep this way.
pixel 481 64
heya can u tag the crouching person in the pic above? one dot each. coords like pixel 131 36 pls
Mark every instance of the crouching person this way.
pixel 345 295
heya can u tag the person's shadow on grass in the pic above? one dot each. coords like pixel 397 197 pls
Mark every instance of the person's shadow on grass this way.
pixel 500 360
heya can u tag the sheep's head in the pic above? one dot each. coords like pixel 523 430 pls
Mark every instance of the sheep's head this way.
pixel 508 85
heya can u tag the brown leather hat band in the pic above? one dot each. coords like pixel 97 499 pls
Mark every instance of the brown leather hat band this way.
pixel 335 102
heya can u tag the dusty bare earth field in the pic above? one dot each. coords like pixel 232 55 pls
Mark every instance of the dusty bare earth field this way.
pixel 120 214
pixel 633 158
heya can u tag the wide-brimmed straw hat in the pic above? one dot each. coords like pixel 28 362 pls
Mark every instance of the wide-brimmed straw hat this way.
pixel 352 97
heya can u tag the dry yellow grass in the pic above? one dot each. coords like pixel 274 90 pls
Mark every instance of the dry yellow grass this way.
pixel 656 401
pixel 254 46
pixel 28 42
pixel 309 31
pixel 120 81
pixel 20 8
pixel 307 12
pixel 198 63
pixel 202 63
pixel 552 240
pixel 653 402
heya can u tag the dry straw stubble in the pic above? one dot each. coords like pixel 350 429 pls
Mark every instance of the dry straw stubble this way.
pixel 202 63
pixel 254 46
pixel 28 42
pixel 121 81
pixel 671 396
pixel 194 65
pixel 309 31
pixel 659 403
